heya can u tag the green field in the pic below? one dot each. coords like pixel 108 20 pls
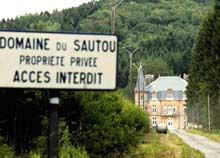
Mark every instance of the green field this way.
pixel 164 146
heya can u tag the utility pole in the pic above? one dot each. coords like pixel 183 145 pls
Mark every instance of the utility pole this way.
pixel 143 93
pixel 209 121
pixel 138 79
pixel 113 20
pixel 113 16
pixel 143 87
pixel 130 56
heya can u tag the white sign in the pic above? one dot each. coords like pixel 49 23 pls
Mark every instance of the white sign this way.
pixel 57 60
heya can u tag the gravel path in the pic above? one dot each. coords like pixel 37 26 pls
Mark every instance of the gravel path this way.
pixel 210 148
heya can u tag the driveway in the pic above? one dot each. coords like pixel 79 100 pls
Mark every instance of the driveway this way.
pixel 210 148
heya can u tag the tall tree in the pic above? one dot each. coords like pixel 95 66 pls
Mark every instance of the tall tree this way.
pixel 204 77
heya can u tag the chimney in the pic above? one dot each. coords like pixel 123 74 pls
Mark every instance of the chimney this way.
pixel 185 76
pixel 149 78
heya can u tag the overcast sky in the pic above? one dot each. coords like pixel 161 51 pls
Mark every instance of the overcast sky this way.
pixel 13 8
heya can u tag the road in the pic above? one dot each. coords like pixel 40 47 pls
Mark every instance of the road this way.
pixel 210 148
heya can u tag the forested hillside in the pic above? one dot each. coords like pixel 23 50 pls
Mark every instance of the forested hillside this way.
pixel 161 29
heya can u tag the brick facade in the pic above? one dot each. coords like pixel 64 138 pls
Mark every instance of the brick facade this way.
pixel 164 100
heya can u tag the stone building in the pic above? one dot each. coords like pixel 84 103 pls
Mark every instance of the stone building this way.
pixel 163 99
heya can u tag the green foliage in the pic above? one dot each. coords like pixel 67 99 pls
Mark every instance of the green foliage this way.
pixel 109 124
pixel 34 155
pixel 205 67
pixel 156 66
pixel 5 150
pixel 39 147
pixel 66 149
pixel 46 26
pixel 71 152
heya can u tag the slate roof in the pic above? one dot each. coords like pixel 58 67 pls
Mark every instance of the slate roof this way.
pixel 175 83
pixel 161 85
pixel 162 95
pixel 140 84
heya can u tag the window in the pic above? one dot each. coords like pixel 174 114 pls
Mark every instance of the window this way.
pixel 142 97
pixel 154 121
pixel 165 109
pixel 184 109
pixel 154 108
pixel 154 95
pixel 169 109
pixel 169 94
pixel 174 109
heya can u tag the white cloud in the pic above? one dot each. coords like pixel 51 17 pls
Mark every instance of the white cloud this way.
pixel 13 8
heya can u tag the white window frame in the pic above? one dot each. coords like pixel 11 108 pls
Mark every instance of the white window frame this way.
pixel 154 108
pixel 154 121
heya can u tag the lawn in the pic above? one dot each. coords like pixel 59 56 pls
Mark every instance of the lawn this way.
pixel 213 135
pixel 156 145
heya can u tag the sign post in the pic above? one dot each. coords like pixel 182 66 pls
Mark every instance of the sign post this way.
pixel 46 60
pixel 53 124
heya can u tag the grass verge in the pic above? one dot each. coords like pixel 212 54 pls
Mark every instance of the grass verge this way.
pixel 168 145
pixel 213 135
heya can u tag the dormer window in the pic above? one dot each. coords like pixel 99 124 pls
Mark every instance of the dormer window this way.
pixel 154 95
pixel 169 94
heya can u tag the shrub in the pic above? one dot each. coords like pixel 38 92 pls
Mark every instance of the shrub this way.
pixel 110 125
pixel 5 150
pixel 65 147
